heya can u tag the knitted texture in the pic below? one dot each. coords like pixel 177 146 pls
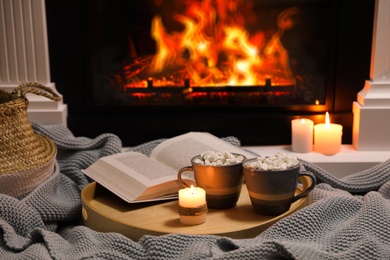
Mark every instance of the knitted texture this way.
pixel 348 219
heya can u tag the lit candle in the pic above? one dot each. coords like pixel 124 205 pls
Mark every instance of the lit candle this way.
pixel 302 135
pixel 192 206
pixel 327 137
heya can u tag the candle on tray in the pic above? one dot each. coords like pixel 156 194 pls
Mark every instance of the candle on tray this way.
pixel 192 206
pixel 327 137
pixel 302 135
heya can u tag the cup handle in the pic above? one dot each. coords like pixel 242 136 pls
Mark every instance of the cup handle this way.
pixel 184 169
pixel 308 180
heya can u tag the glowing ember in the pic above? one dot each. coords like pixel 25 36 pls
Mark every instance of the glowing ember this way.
pixel 215 49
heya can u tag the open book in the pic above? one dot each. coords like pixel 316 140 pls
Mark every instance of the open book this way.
pixel 135 177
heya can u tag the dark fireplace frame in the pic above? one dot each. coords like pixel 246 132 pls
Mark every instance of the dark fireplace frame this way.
pixel 70 70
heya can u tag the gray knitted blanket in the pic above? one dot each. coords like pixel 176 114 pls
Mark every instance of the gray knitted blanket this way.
pixel 348 219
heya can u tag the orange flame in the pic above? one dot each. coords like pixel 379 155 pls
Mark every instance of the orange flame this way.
pixel 215 49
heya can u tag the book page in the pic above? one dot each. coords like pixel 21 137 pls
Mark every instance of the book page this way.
pixel 135 177
pixel 120 183
pixel 178 151
pixel 144 169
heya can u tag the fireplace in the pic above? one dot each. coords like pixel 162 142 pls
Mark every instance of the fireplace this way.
pixel 210 53
pixel 140 69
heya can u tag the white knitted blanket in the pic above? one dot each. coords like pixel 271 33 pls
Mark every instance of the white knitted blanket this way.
pixel 348 219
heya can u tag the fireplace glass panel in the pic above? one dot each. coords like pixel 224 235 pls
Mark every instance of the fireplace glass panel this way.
pixel 195 53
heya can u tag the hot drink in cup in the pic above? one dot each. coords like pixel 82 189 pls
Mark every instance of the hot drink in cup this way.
pixel 272 182
pixel 219 174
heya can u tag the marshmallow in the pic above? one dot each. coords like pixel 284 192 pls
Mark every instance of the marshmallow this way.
pixel 277 162
pixel 218 158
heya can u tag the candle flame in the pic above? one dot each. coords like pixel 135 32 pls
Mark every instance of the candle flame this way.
pixel 302 121
pixel 327 121
pixel 192 190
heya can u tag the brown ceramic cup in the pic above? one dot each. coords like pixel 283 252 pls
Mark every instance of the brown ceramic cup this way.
pixel 222 183
pixel 272 192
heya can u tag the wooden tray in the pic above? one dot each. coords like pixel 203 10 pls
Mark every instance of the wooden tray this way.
pixel 105 212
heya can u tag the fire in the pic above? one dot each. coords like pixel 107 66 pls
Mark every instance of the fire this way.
pixel 215 49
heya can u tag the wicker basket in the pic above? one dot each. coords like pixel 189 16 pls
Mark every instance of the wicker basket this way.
pixel 26 158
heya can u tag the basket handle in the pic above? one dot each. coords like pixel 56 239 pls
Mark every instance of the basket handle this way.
pixel 37 89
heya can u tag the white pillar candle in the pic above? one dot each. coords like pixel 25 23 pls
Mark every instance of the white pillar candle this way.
pixel 327 137
pixel 192 206
pixel 302 135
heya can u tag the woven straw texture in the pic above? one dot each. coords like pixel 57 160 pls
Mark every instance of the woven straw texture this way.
pixel 26 158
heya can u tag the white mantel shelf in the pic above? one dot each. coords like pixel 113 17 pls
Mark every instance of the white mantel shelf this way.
pixel 346 162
